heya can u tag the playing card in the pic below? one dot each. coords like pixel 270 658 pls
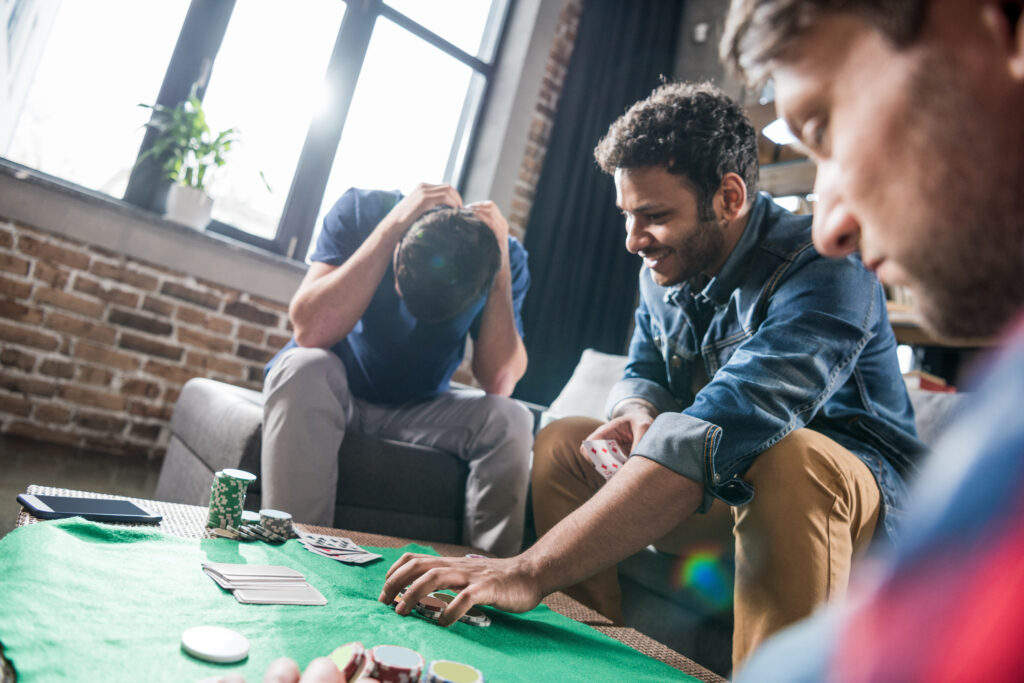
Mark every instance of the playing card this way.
pixel 264 584
pixel 343 554
pixel 252 572
pixel 301 594
pixel 336 547
pixel 323 541
pixel 256 582
pixel 606 454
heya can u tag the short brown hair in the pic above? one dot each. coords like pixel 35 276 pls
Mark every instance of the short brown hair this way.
pixel 757 31
pixel 445 262
pixel 693 130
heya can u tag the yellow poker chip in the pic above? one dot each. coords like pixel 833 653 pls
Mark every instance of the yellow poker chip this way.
pixel 446 671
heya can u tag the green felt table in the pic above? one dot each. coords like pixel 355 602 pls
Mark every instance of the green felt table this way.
pixel 85 601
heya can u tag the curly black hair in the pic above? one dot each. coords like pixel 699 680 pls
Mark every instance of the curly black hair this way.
pixel 445 261
pixel 691 129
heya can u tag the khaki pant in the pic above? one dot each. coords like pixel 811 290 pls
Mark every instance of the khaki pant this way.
pixel 815 508
pixel 308 408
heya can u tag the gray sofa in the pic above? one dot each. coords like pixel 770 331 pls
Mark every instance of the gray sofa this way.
pixel 381 486
pixel 217 426
pixel 658 599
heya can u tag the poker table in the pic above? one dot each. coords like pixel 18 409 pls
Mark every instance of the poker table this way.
pixel 88 601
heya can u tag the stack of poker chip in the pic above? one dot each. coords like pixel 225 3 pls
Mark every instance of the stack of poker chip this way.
pixel 227 496
pixel 276 522
pixel 395 664
pixel 250 517
pixel 473 616
pixel 431 607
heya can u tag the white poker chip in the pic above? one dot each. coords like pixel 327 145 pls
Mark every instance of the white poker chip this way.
pixel 215 644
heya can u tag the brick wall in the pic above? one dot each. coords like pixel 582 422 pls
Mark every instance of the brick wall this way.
pixel 544 116
pixel 94 347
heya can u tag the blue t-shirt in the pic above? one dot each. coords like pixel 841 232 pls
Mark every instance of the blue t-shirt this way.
pixel 390 356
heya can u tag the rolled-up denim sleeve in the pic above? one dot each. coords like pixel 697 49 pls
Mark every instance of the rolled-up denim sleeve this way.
pixel 645 375
pixel 816 324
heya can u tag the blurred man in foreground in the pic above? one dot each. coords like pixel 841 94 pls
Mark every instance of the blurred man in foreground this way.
pixel 912 112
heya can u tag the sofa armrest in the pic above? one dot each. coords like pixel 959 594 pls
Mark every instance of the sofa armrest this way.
pixel 237 412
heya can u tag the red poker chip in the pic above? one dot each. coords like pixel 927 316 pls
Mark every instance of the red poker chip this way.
pixel 395 664
pixel 431 604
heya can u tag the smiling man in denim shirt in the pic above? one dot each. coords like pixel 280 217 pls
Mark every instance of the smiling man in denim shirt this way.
pixel 757 368
pixel 760 375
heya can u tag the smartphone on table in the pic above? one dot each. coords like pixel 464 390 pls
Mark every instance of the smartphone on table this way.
pixel 95 509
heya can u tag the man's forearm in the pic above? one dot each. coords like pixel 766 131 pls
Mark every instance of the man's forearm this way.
pixel 634 404
pixel 640 504
pixel 499 357
pixel 330 301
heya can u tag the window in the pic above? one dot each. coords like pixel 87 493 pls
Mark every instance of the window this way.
pixel 325 94
pixel 403 124
pixel 467 24
pixel 71 95
pixel 268 89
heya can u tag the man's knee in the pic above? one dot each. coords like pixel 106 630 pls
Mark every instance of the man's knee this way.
pixel 805 460
pixel 810 481
pixel 507 426
pixel 508 417
pixel 302 365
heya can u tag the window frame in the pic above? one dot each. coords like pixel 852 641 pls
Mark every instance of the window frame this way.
pixel 195 53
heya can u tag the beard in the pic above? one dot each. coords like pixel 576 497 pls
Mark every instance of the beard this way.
pixel 696 253
pixel 966 270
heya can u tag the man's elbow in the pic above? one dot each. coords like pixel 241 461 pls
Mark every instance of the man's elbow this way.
pixel 501 386
pixel 501 381
pixel 308 336
pixel 305 339
pixel 308 330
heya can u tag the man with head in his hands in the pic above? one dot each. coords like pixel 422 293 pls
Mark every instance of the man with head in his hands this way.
pixel 396 285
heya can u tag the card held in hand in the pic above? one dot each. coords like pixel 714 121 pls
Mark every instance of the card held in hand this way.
pixel 606 454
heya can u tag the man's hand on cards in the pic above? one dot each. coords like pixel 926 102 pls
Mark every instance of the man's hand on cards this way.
pixel 606 454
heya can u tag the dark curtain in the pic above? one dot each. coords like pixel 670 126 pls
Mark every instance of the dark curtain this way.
pixel 584 282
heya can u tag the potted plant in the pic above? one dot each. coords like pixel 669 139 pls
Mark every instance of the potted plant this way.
pixel 189 151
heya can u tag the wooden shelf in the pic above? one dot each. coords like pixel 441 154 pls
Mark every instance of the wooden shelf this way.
pixel 906 324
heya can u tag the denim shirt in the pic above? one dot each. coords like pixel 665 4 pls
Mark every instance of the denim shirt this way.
pixel 787 339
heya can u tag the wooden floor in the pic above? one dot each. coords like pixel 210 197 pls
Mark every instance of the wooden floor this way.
pixel 24 462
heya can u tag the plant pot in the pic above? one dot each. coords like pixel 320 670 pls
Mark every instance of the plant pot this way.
pixel 189 206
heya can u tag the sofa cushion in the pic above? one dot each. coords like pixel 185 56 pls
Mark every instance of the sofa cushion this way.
pixel 933 412
pixel 384 486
